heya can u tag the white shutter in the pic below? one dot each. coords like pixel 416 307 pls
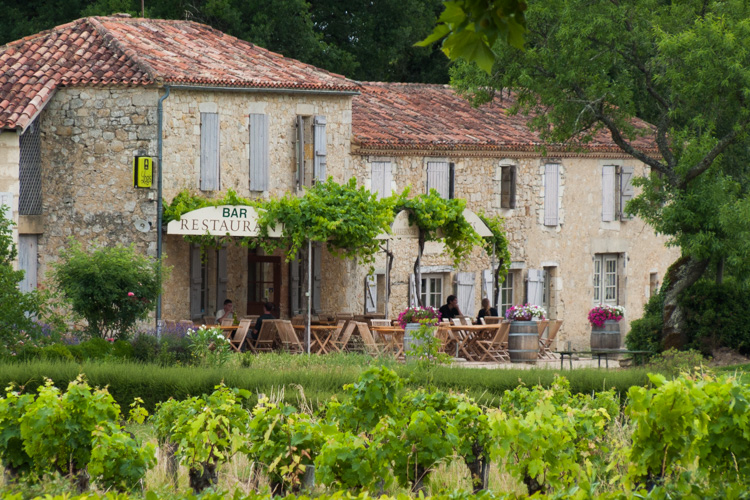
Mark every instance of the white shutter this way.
pixel 381 178
pixel 210 179
pixel 608 193
pixel 27 261
pixel 387 180
pixel 438 178
pixel 195 282
pixel 258 152
pixel 488 284
pixel 294 286
pixel 371 294
pixel 300 152
pixel 413 291
pixel 222 279
pixel 6 200
pixel 465 292
pixel 317 275
pixel 319 138
pixel 535 287
pixel 551 181
pixel 626 190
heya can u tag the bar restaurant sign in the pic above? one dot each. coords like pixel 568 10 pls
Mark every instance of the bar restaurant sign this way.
pixel 223 220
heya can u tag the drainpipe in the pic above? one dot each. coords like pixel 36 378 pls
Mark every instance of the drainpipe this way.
pixel 159 204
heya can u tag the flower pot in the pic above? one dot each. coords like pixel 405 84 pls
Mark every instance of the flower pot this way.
pixel 605 337
pixel 523 342
pixel 308 478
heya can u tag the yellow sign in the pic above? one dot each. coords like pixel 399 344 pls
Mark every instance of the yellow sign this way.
pixel 143 171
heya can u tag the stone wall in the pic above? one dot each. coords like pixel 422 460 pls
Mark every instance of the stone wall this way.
pixel 567 249
pixel 9 158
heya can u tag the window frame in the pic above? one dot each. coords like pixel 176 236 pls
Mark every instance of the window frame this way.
pixel 508 194
pixel 506 292
pixel 606 278
pixel 426 292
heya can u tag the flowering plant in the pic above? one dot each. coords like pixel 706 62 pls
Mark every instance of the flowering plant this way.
pixel 525 312
pixel 601 313
pixel 419 315
pixel 209 346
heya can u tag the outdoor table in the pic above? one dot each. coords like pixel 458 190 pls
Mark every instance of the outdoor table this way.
pixel 466 335
pixel 227 330
pixel 318 345
pixel 599 354
pixel 394 336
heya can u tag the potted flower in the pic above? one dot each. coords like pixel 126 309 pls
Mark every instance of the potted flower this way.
pixel 523 337
pixel 411 319
pixel 605 327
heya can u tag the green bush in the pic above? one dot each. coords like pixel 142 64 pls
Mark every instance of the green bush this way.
pixel 673 362
pixel 145 348
pixel 56 352
pixel 645 332
pixel 93 349
pixel 111 288
pixel 122 349
pixel 715 314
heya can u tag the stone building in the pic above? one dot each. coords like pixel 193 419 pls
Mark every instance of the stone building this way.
pixel 80 101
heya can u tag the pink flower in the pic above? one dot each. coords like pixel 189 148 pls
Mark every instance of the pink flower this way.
pixel 131 294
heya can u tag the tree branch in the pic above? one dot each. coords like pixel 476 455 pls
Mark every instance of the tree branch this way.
pixel 707 160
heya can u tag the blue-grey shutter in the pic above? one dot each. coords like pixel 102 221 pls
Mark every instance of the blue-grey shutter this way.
pixel 465 292
pixel 412 291
pixel 294 286
pixel 319 138
pixel 222 278
pixel 551 180
pixel 195 282
pixel 300 151
pixel 27 261
pixel 608 193
pixel 258 152
pixel 438 178
pixel 371 294
pixel 317 275
pixel 488 283
pixel 451 181
pixel 535 287
pixel 381 178
pixel 626 191
pixel 210 165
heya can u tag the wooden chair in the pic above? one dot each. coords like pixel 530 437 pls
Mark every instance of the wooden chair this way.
pixel 492 320
pixel 170 325
pixel 240 336
pixel 370 346
pixel 209 320
pixel 227 321
pixel 289 340
pixel 340 343
pixel 337 332
pixel 545 344
pixel 185 324
pixel 298 320
pixel 495 349
pixel 266 337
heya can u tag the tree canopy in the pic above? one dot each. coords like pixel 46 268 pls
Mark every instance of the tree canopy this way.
pixel 684 66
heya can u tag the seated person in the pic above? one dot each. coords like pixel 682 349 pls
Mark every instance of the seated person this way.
pixel 450 310
pixel 486 310
pixel 226 311
pixel 268 308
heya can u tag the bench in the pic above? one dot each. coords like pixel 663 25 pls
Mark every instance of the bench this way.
pixel 599 354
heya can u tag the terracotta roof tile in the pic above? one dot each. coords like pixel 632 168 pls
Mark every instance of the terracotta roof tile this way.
pixel 124 51
pixel 425 116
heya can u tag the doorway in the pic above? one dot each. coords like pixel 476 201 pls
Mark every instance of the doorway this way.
pixel 263 282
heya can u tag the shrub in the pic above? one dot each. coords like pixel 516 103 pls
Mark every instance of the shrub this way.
pixel 673 362
pixel 645 332
pixel 55 352
pixel 110 287
pixel 122 349
pixel 96 348
pixel 145 348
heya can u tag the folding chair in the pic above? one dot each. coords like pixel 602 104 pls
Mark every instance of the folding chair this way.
pixel 227 321
pixel 289 340
pixel 209 320
pixel 340 343
pixel 380 322
pixel 266 337
pixel 370 345
pixel 240 335
pixel 545 345
pixel 492 320
pixel 495 349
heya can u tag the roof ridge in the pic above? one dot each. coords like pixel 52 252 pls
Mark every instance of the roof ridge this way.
pixel 111 42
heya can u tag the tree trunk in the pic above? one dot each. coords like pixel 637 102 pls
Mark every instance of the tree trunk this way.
pixel 202 478
pixel 720 271
pixel 494 300
pixel 684 272
pixel 479 469
pixel 417 272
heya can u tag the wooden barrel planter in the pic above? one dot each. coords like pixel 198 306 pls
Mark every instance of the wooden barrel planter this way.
pixel 523 342
pixel 605 337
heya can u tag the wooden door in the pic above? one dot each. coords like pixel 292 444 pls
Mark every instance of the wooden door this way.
pixel 263 282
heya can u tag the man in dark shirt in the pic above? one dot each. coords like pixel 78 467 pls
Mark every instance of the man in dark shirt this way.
pixel 450 310
pixel 268 308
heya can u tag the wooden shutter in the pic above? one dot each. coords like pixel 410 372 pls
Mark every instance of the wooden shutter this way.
pixel 438 178
pixel 626 191
pixel 451 181
pixel 317 275
pixel 371 294
pixel 27 261
pixel 551 181
pixel 535 287
pixel 465 292
pixel 488 284
pixel 413 291
pixel 195 282
pixel 221 276
pixel 508 186
pixel 258 152
pixel 294 285
pixel 210 179
pixel 319 138
pixel 300 151
pixel 381 178
pixel 608 193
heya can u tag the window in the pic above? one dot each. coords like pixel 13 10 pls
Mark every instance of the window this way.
pixel 30 171
pixel 210 180
pixel 506 294
pixel 440 177
pixel 605 279
pixel 617 190
pixel 432 290
pixel 311 169
pixel 298 275
pixel 208 281
pixel 508 186
pixel 381 178
pixel 258 152
pixel 551 193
